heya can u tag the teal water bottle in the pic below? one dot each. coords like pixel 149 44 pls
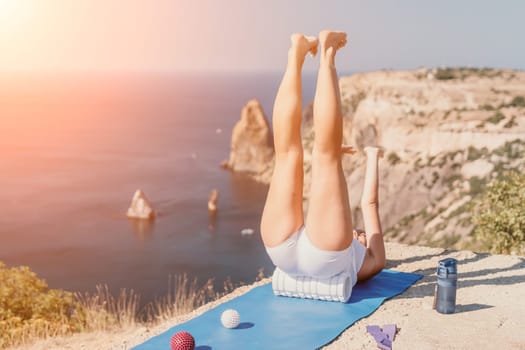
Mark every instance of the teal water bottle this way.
pixel 447 278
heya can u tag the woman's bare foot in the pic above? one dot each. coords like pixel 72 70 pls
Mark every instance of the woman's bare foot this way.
pixel 302 44
pixel 331 41
pixel 374 152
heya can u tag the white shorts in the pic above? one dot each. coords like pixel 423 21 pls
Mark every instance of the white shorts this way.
pixel 297 256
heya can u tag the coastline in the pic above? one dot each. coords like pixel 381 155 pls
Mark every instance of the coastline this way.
pixel 486 312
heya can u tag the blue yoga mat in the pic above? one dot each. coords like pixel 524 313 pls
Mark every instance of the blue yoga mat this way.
pixel 272 322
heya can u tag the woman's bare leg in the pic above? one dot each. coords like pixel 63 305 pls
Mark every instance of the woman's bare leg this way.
pixel 375 253
pixel 329 221
pixel 283 211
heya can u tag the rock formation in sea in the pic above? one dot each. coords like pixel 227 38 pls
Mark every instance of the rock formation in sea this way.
pixel 252 143
pixel 447 132
pixel 140 207
pixel 212 200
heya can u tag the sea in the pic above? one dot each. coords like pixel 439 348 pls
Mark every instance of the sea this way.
pixel 74 147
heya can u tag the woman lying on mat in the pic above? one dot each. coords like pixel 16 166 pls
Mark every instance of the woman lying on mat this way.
pixel 325 245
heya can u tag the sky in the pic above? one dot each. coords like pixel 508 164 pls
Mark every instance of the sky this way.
pixel 253 35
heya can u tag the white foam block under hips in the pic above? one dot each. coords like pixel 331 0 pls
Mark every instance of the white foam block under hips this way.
pixel 336 288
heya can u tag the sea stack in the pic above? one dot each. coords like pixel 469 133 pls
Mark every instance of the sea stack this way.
pixel 252 142
pixel 212 200
pixel 140 207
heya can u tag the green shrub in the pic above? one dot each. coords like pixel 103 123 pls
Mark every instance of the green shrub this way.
pixel 445 74
pixel 511 149
pixel 29 308
pixel 496 118
pixel 477 185
pixel 518 101
pixel 350 105
pixel 449 181
pixel 487 107
pixel 435 177
pixel 465 72
pixel 474 153
pixel 393 158
pixel 499 215
pixel 511 122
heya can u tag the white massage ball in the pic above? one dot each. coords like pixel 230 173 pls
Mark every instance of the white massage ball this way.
pixel 230 318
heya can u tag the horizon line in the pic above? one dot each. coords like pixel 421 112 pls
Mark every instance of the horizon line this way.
pixel 105 71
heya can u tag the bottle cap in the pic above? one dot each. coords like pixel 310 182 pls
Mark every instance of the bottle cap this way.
pixel 447 267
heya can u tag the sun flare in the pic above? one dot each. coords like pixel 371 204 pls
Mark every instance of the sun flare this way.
pixel 12 14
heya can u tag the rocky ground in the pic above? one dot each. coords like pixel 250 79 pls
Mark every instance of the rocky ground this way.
pixel 489 314
pixel 489 311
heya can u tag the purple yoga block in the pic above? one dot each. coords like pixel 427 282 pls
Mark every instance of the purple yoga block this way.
pixel 390 331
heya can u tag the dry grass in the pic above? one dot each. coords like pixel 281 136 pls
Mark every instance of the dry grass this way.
pixel 28 332
pixel 102 311
pixel 183 296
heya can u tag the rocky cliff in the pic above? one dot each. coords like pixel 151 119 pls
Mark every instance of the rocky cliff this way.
pixel 446 133
pixel 251 148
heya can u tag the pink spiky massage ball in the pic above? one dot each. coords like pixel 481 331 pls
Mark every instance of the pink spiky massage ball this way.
pixel 182 341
